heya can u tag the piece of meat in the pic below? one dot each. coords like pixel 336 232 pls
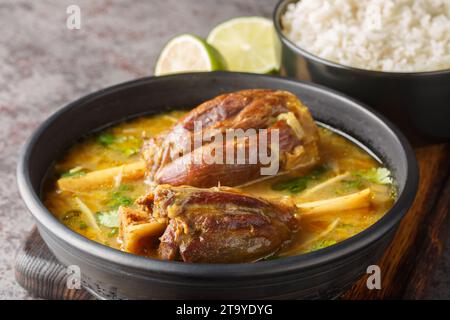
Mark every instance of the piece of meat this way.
pixel 218 225
pixel 139 230
pixel 171 157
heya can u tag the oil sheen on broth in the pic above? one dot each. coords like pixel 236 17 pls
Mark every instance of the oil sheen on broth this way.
pixel 345 169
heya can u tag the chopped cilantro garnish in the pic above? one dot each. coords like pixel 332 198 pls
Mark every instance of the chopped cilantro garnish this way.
pixel 299 184
pixel 109 219
pixel 74 172
pixel 293 185
pixel 82 225
pixel 352 184
pixel 376 175
pixel 126 144
pixel 105 139
pixel 118 199
pixel 346 185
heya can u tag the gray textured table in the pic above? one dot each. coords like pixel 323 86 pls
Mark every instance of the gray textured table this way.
pixel 43 65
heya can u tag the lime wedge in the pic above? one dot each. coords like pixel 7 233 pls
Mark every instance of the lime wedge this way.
pixel 248 44
pixel 188 53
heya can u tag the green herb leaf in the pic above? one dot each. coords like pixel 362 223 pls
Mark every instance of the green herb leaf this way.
pixel 352 184
pixel 299 184
pixel 74 172
pixel 376 175
pixel 106 139
pixel 83 225
pixel 108 219
pixel 295 185
pixel 118 199
pixel 126 144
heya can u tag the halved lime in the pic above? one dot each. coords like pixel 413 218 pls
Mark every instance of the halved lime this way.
pixel 248 44
pixel 188 53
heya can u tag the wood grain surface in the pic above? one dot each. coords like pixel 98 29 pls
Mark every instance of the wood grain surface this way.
pixel 405 267
pixel 38 271
pixel 409 261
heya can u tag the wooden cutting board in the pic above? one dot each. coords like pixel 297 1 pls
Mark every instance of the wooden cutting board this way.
pixel 406 266
pixel 409 262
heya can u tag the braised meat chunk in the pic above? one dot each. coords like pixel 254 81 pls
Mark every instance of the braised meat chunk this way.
pixel 177 158
pixel 218 225
pixel 139 230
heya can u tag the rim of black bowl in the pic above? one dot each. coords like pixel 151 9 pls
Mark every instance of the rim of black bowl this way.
pixel 285 265
pixel 280 8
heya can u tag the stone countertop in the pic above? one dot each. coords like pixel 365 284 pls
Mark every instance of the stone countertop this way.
pixel 44 65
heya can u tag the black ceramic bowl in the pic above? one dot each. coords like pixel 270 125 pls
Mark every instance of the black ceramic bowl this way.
pixel 109 273
pixel 418 100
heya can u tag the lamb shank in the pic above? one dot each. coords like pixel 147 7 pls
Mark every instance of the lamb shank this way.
pixel 216 225
pixel 256 109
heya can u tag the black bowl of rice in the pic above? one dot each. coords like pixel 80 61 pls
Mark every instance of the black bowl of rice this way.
pixel 393 55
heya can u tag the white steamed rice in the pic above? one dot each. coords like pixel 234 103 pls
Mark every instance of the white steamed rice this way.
pixel 383 35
